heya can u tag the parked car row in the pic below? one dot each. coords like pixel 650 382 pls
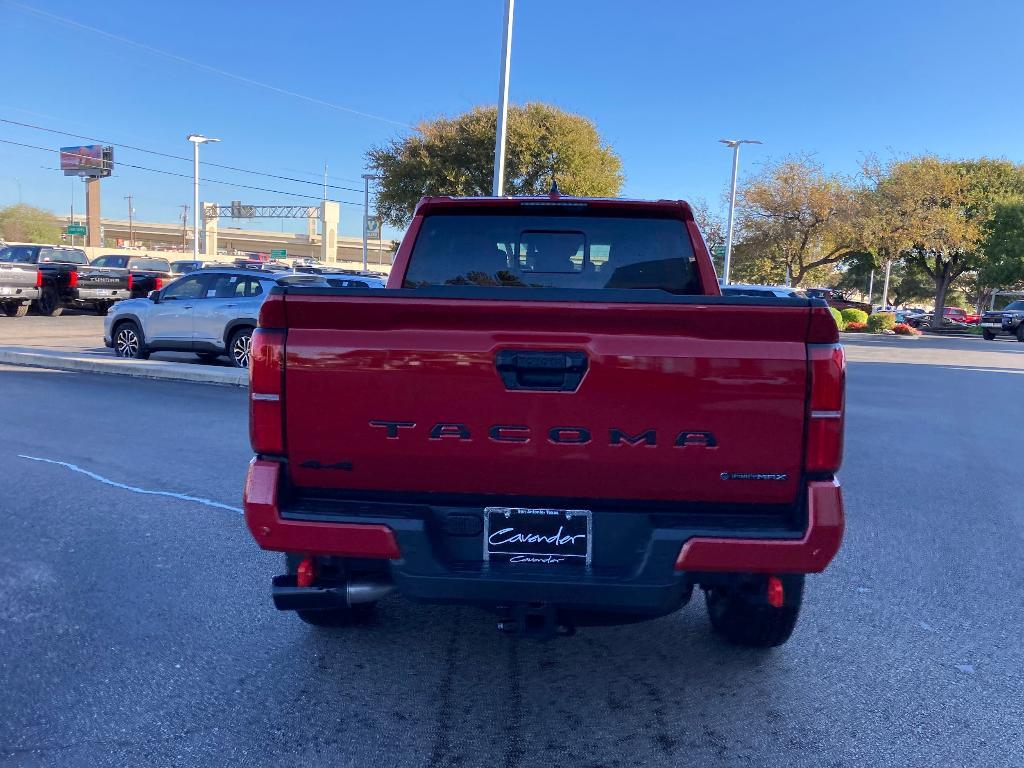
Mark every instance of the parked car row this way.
pixel 52 278
pixel 211 312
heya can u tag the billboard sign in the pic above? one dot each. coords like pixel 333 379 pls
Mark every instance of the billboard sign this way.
pixel 90 160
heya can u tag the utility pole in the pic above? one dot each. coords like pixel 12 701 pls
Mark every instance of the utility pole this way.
pixel 131 227
pixel 735 144
pixel 72 210
pixel 366 210
pixel 871 289
pixel 499 140
pixel 184 227
pixel 885 289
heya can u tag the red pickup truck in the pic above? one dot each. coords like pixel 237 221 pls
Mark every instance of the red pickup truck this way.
pixel 550 412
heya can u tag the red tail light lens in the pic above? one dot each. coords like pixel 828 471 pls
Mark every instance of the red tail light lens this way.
pixel 159 284
pixel 131 281
pixel 39 279
pixel 266 391
pixel 72 279
pixel 827 363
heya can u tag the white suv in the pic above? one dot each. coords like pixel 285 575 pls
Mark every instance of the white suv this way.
pixel 211 312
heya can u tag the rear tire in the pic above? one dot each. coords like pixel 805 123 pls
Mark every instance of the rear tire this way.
pixel 1020 332
pixel 48 304
pixel 15 310
pixel 987 335
pixel 742 619
pixel 129 342
pixel 101 308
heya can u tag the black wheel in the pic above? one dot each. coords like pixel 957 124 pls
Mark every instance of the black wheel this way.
pixel 987 335
pixel 15 310
pixel 128 341
pixel 101 308
pixel 339 617
pixel 48 304
pixel 745 619
pixel 239 347
pixel 207 357
pixel 1020 332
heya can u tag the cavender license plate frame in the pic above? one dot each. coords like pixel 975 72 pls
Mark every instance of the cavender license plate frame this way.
pixel 550 557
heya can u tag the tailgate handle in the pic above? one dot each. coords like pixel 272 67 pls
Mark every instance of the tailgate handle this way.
pixel 541 370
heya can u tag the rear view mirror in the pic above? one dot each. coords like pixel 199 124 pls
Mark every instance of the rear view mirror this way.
pixel 154 296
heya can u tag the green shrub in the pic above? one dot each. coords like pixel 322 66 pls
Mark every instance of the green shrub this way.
pixel 854 316
pixel 881 321
pixel 838 317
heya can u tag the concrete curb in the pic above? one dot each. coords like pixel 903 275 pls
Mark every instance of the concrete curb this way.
pixel 139 369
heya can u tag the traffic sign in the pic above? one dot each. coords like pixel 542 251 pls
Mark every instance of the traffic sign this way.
pixel 278 253
pixel 373 227
pixel 718 251
pixel 76 229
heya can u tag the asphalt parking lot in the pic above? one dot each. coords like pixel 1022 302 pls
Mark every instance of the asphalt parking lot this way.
pixel 136 629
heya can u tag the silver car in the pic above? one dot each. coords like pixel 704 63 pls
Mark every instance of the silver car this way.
pixel 211 312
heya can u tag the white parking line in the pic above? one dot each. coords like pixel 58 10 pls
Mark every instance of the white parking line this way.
pixel 132 488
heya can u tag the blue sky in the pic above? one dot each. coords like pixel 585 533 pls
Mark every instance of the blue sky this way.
pixel 662 81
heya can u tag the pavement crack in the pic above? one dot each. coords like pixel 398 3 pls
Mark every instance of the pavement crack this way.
pixel 442 736
pixel 514 720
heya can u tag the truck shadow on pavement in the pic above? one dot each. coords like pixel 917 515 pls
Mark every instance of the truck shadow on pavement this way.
pixel 463 694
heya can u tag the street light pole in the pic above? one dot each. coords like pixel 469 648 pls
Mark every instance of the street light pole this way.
pixel 366 210
pixel 499 140
pixel 196 140
pixel 735 144
pixel 131 228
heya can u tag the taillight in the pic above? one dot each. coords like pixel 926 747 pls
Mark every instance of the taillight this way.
pixel 131 281
pixel 72 279
pixel 827 363
pixel 266 391
pixel 159 284
pixel 39 279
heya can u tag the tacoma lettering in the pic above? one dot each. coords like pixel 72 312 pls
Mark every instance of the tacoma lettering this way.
pixel 568 435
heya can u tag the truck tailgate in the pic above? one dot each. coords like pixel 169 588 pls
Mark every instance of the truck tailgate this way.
pixel 104 278
pixel 690 401
pixel 16 276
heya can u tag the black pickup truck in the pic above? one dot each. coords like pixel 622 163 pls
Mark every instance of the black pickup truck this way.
pixel 1009 320
pixel 66 278
pixel 145 273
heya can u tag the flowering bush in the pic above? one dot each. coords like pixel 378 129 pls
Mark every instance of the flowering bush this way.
pixel 856 327
pixel 902 329
pixel 854 316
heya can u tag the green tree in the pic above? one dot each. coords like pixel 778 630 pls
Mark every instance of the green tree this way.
pixel 25 224
pixel 796 218
pixel 455 156
pixel 1003 265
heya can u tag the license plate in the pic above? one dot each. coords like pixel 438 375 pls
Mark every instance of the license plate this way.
pixel 5 291
pixel 544 536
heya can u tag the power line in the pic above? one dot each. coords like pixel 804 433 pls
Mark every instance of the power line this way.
pixel 207 67
pixel 173 157
pixel 185 175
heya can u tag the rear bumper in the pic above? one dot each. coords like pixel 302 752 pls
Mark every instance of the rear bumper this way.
pixel 99 294
pixel 18 293
pixel 654 575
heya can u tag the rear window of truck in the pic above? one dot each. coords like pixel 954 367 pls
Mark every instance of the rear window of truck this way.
pixel 517 251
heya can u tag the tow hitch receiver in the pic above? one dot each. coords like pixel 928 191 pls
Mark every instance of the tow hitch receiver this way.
pixel 538 621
